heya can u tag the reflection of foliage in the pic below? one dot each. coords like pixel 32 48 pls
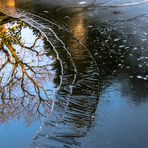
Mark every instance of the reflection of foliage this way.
pixel 25 71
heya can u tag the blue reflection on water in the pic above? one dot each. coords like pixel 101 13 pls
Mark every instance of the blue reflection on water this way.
pixel 22 134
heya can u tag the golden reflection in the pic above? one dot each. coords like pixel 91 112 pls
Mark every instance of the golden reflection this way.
pixel 10 3
pixel 80 33
pixel 7 3
pixel 78 28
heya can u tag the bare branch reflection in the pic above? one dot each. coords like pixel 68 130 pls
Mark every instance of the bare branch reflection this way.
pixel 25 73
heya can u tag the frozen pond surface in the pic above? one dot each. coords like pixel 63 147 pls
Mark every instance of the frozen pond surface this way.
pixel 96 61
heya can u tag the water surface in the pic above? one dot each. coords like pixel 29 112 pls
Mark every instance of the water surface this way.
pixel 98 70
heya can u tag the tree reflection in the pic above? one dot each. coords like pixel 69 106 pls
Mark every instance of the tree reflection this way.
pixel 25 72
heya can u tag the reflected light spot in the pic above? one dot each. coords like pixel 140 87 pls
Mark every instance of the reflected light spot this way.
pixel 11 3
pixel 80 33
pixel 83 2
pixel 78 28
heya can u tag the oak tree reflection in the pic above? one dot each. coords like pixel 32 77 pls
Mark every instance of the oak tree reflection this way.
pixel 25 71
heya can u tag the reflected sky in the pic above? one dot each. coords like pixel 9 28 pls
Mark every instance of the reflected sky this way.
pixel 16 131
pixel 26 73
pixel 121 117
pixel 28 81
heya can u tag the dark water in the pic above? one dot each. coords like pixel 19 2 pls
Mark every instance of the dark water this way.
pixel 96 69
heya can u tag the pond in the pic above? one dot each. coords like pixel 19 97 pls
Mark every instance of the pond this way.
pixel 73 74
